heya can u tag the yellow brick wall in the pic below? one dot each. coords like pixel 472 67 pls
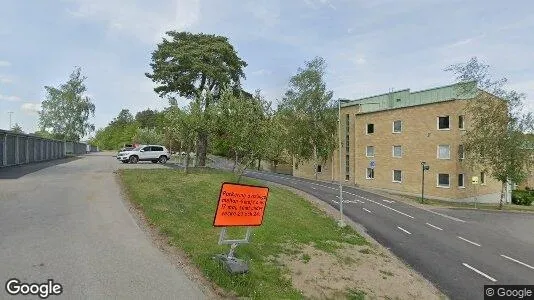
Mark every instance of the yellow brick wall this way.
pixel 419 140
pixel 305 170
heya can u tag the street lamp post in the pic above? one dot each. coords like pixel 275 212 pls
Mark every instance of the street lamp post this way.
pixel 341 222
pixel 10 113
pixel 424 167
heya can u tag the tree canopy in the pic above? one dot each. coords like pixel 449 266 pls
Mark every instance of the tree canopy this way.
pixel 66 110
pixel 17 128
pixel 198 67
pixel 496 138
pixel 309 113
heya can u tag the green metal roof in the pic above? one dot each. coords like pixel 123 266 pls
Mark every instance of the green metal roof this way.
pixel 405 98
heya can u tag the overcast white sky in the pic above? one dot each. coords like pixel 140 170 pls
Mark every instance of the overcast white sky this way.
pixel 370 46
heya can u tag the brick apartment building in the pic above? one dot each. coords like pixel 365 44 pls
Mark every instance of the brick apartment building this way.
pixel 386 137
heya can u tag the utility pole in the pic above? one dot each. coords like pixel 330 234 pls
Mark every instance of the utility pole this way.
pixel 10 113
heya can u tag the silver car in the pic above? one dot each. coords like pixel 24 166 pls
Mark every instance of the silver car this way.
pixel 153 153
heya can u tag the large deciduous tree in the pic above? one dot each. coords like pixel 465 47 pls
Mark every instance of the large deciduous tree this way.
pixel 497 126
pixel 195 66
pixel 120 131
pixel 310 114
pixel 66 110
pixel 245 120
pixel 185 124
pixel 148 118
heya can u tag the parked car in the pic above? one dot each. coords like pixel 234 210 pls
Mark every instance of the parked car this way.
pixel 153 153
pixel 124 150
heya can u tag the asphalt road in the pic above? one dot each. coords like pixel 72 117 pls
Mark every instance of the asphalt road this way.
pixel 460 251
pixel 66 221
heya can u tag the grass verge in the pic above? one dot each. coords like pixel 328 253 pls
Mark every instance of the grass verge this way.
pixel 182 207
pixel 469 205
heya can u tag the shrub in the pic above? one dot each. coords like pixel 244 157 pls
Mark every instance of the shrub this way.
pixel 522 197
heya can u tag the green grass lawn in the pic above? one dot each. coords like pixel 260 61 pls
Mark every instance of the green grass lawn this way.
pixel 183 206
pixel 435 202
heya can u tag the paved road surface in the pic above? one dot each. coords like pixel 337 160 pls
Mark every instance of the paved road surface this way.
pixel 460 251
pixel 68 222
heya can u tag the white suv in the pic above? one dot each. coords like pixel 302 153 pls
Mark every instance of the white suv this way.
pixel 153 153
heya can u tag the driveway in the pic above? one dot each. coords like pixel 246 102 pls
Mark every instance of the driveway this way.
pixel 67 221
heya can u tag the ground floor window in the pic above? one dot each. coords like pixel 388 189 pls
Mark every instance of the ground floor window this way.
pixel 370 173
pixel 397 176
pixel 443 180
pixel 461 180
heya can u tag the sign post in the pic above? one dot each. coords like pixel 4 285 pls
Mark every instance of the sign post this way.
pixel 238 205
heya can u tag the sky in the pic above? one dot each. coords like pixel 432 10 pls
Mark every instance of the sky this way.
pixel 370 46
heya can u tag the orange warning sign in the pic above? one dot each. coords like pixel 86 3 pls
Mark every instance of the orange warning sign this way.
pixel 240 205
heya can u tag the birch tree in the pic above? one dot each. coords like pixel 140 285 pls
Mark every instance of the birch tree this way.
pixel 496 137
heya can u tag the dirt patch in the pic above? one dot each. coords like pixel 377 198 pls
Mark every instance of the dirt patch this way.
pixel 353 271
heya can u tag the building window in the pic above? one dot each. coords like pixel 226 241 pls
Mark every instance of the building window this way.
pixel 370 151
pixel 443 180
pixel 397 126
pixel 443 123
pixel 319 169
pixel 370 128
pixel 444 152
pixel 398 100
pixel 370 173
pixel 347 177
pixel 347 164
pixel 397 151
pixel 461 152
pixel 461 122
pixel 461 180
pixel 347 123
pixel 482 177
pixel 397 176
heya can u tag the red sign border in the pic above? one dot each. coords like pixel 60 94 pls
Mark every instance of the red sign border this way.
pixel 219 200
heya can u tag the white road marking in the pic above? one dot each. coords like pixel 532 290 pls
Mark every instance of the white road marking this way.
pixel 349 201
pixel 352 201
pixel 388 201
pixel 404 230
pixel 336 188
pixel 517 261
pixel 400 212
pixel 479 272
pixel 434 226
pixel 443 215
pixel 469 241
pixel 366 210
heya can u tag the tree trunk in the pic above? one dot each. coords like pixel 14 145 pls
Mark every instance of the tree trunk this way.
pixel 202 148
pixel 315 160
pixel 503 187
pixel 259 163
pixel 187 162
pixel 197 150
pixel 242 168
pixel 235 161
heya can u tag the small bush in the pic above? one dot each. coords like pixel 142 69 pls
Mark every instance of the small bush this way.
pixel 522 197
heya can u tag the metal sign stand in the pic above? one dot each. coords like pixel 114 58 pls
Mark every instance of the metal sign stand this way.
pixel 233 265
